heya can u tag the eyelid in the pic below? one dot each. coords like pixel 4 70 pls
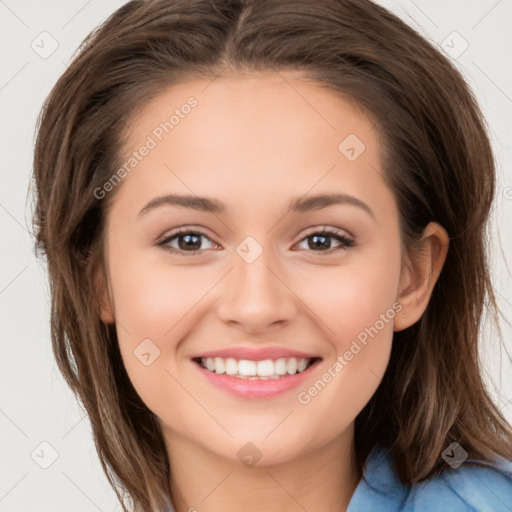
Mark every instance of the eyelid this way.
pixel 180 230
pixel 330 230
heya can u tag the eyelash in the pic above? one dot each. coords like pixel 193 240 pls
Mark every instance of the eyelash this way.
pixel 346 242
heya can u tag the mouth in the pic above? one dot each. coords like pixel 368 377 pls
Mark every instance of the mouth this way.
pixel 267 369
pixel 253 379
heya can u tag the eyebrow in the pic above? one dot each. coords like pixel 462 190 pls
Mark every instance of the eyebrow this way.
pixel 300 204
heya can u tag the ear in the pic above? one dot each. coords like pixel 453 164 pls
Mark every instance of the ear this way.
pixel 420 271
pixel 103 296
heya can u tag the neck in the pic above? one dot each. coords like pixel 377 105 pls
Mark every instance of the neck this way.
pixel 323 479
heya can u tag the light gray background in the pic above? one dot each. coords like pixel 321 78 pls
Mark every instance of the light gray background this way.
pixel 35 404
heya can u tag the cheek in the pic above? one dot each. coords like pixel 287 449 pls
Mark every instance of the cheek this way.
pixel 355 307
pixel 347 381
pixel 154 302
pixel 353 299
pixel 151 299
pixel 154 311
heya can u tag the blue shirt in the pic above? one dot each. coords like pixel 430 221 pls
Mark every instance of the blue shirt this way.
pixel 486 488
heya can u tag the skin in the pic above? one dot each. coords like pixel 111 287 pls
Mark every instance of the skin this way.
pixel 255 143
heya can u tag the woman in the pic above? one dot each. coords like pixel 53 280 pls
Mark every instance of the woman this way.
pixel 268 260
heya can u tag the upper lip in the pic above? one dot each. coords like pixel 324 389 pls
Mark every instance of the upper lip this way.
pixel 256 354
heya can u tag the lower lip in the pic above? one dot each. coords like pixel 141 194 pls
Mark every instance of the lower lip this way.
pixel 256 388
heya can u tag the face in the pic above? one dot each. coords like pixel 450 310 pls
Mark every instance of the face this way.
pixel 263 276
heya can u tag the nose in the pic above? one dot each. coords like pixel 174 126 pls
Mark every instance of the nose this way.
pixel 256 297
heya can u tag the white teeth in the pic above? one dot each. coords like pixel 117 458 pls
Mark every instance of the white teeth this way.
pixel 280 367
pixel 231 366
pixel 301 365
pixel 247 369
pixel 291 366
pixel 265 368
pixel 220 366
pixel 210 364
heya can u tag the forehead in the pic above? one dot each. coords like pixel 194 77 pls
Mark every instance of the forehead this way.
pixel 245 135
pixel 287 103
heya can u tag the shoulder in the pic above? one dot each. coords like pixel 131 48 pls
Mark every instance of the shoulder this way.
pixel 473 486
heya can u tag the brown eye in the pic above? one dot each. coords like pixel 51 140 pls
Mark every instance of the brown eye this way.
pixel 184 241
pixel 321 241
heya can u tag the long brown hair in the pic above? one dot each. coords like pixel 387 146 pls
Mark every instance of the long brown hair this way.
pixel 438 162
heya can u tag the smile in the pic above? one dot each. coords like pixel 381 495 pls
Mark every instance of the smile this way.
pixel 256 379
pixel 247 369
